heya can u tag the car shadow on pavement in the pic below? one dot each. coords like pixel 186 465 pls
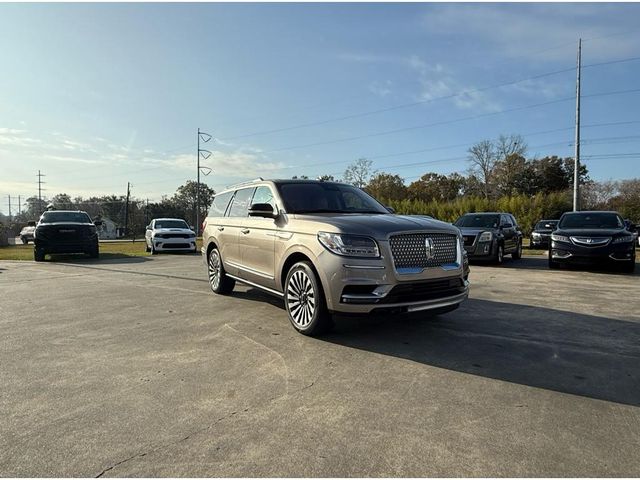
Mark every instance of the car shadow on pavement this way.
pixel 112 258
pixel 541 262
pixel 577 354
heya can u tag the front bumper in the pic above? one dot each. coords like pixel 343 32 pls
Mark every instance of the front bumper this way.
pixel 174 244
pixel 569 253
pixel 360 286
pixel 542 241
pixel 480 249
pixel 76 247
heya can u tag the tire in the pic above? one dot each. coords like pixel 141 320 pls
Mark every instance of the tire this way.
pixel 498 257
pixel 305 302
pixel 38 254
pixel 25 241
pixel 146 247
pixel 95 252
pixel 553 265
pixel 219 282
pixel 153 250
pixel 629 267
pixel 517 255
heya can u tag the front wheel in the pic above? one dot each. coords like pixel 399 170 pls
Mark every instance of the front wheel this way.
pixel 218 280
pixel 553 265
pixel 630 267
pixel 304 300
pixel 517 255
pixel 498 257
pixel 38 254
pixel 25 240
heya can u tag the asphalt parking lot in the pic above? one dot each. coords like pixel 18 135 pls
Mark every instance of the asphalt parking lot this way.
pixel 133 368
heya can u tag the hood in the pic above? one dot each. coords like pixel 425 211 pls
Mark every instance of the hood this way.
pixel 475 230
pixel 173 230
pixel 591 232
pixel 377 226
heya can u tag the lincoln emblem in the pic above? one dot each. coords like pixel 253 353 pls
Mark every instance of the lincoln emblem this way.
pixel 429 247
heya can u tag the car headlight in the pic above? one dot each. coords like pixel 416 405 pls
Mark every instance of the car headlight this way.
pixel 535 235
pixel 349 245
pixel 559 238
pixel 623 239
pixel 485 237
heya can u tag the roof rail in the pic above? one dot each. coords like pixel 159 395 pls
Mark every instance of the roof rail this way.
pixel 242 184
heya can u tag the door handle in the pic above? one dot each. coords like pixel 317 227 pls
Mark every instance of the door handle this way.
pixel 245 230
pixel 220 229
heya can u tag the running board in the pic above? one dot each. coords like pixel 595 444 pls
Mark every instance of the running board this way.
pixel 247 282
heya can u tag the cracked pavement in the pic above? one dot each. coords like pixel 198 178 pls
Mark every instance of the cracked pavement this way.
pixel 132 368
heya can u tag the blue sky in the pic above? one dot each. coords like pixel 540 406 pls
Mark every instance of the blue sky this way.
pixel 96 95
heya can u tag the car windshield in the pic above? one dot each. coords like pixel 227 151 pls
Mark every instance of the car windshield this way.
pixel 60 217
pixel 478 221
pixel 591 220
pixel 171 224
pixel 327 198
pixel 546 225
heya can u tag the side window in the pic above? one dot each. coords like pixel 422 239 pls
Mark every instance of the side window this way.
pixel 219 205
pixel 513 220
pixel 240 204
pixel 264 195
pixel 503 220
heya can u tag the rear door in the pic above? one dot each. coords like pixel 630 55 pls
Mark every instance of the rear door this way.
pixel 508 231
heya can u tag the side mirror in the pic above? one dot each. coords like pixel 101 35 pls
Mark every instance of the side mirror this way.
pixel 507 225
pixel 390 209
pixel 261 210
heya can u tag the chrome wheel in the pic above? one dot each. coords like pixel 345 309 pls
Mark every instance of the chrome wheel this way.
pixel 214 270
pixel 301 298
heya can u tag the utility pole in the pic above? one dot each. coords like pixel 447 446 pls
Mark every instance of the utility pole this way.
pixel 19 206
pixel 126 212
pixel 9 197
pixel 40 182
pixel 576 162
pixel 205 137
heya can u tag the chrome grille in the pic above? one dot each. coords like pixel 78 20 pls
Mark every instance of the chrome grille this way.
pixel 410 251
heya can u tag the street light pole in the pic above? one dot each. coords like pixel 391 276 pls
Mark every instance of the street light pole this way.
pixel 576 162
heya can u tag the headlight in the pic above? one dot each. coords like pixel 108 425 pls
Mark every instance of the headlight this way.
pixel 349 245
pixel 485 237
pixel 559 238
pixel 624 239
pixel 535 235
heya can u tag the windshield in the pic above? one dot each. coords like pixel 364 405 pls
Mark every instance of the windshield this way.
pixel 546 225
pixel 327 198
pixel 171 224
pixel 66 217
pixel 591 220
pixel 478 221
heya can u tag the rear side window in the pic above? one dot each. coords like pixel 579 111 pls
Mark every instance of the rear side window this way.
pixel 219 205
pixel 240 203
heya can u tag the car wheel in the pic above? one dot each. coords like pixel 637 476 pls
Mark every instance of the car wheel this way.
pixel 304 300
pixel 38 254
pixel 24 241
pixel 517 255
pixel 95 251
pixel 153 250
pixel 218 280
pixel 146 247
pixel 553 265
pixel 498 257
pixel 630 267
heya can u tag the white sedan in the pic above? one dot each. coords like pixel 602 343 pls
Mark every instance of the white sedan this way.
pixel 169 235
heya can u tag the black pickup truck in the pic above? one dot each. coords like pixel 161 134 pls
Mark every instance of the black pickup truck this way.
pixel 65 231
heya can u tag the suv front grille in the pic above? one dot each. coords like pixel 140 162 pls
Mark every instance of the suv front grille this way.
pixel 410 251
pixel 468 240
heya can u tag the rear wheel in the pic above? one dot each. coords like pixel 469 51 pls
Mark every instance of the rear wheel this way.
pixel 304 300
pixel 218 280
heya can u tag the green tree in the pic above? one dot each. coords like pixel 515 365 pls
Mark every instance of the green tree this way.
pixel 384 186
pixel 185 200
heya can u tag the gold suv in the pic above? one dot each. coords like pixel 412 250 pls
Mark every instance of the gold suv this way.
pixel 327 247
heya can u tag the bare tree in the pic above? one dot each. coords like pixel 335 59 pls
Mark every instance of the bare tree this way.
pixel 509 146
pixel 482 157
pixel 359 173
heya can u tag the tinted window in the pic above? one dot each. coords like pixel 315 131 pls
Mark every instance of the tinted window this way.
pixel 219 205
pixel 327 197
pixel 171 224
pixel 478 221
pixel 591 220
pixel 55 217
pixel 240 203
pixel 546 225
pixel 264 195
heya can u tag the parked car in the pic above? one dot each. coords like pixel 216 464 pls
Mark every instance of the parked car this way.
pixel 326 247
pixel 633 228
pixel 170 235
pixel 490 236
pixel 541 233
pixel 591 238
pixel 26 234
pixel 65 231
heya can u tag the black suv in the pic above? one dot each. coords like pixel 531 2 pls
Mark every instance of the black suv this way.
pixel 490 235
pixel 592 237
pixel 65 231
pixel 541 233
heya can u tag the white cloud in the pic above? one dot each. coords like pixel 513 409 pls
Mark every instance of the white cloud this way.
pixel 228 164
pixel 381 89
pixel 536 32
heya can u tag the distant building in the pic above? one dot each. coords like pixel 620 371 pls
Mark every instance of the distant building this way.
pixel 107 230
